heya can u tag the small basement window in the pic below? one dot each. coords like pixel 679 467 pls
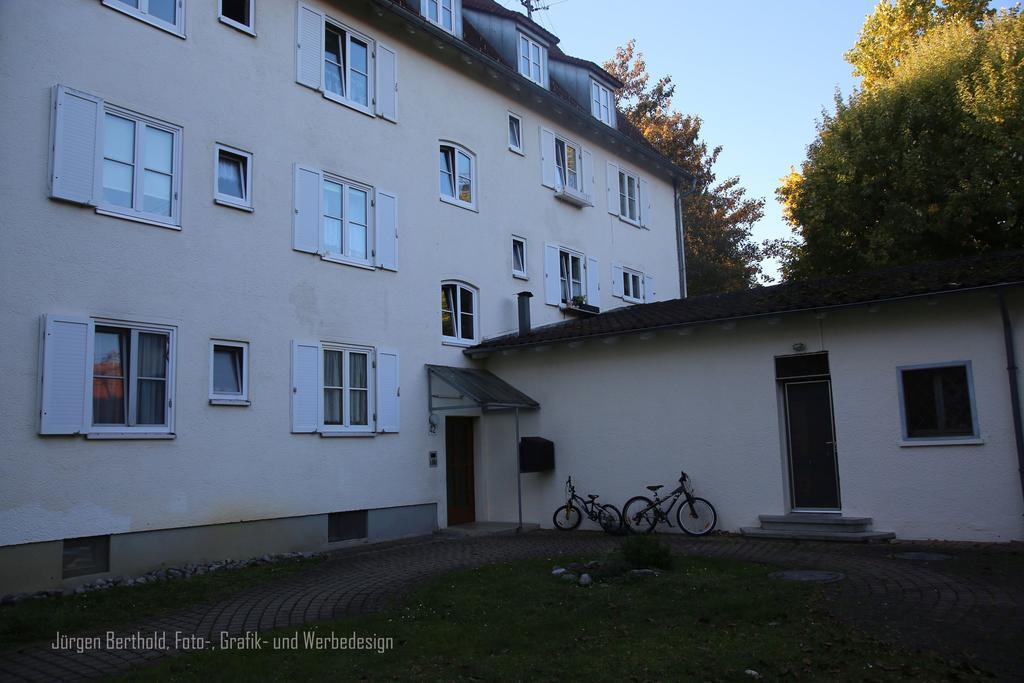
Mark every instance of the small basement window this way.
pixel 938 402
pixel 239 14
pixel 515 133
pixel 81 556
pixel 229 372
pixel 234 178
pixel 519 257
pixel 346 526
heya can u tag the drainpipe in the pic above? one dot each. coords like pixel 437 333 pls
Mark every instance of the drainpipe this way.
pixel 680 231
pixel 1011 369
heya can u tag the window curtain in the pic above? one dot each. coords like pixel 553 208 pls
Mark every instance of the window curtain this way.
pixel 229 176
pixel 358 392
pixel 227 370
pixel 152 376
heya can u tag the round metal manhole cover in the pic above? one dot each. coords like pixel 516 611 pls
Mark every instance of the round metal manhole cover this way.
pixel 809 575
pixel 923 557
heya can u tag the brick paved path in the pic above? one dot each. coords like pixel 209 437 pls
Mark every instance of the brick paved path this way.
pixel 959 607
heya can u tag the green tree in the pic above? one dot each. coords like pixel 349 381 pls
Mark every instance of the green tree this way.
pixel 926 164
pixel 718 216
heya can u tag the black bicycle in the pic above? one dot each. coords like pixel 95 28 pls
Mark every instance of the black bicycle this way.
pixel 695 516
pixel 570 515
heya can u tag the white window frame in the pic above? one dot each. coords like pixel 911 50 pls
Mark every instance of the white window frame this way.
pixel 623 182
pixel 560 183
pixel 635 292
pixel 346 257
pixel 455 7
pixel 138 170
pixel 565 280
pixel 458 340
pixel 454 199
pixel 239 399
pixel 518 149
pixel 244 203
pixel 128 429
pixel 371 399
pixel 523 274
pixel 371 51
pixel 522 40
pixel 142 14
pixel 937 440
pixel 249 28
pixel 602 102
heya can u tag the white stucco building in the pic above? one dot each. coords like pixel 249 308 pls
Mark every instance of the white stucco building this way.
pixel 238 232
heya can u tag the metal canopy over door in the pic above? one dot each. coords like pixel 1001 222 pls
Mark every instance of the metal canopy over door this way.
pixel 810 431
pixel 458 440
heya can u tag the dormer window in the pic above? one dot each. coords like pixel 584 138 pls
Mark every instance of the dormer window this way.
pixel 443 13
pixel 602 103
pixel 533 58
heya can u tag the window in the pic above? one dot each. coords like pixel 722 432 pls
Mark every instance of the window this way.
pixel 165 14
pixel 238 14
pixel 346 388
pixel 229 372
pixel 532 58
pixel 346 232
pixel 131 371
pixel 629 190
pixel 515 133
pixel 519 257
pixel 571 277
pixel 233 178
pixel 601 102
pixel 81 556
pixel 346 526
pixel 938 402
pixel 458 313
pixel 567 163
pixel 346 66
pixel 632 286
pixel 457 168
pixel 444 13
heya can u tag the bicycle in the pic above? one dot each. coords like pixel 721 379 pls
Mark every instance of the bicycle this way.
pixel 695 516
pixel 569 516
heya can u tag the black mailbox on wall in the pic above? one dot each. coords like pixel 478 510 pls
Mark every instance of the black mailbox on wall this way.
pixel 536 454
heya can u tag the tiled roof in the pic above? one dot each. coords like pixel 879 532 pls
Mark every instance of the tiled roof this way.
pixel 990 270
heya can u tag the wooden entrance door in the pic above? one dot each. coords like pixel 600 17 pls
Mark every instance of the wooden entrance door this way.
pixel 814 472
pixel 458 447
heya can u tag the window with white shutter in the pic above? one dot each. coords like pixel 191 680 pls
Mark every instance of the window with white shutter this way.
pixel 341 63
pixel 571 279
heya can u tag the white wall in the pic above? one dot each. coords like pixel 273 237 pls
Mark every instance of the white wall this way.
pixel 635 412
pixel 234 275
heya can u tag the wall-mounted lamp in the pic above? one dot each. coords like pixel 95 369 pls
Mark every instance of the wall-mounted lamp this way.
pixel 799 346
pixel 434 420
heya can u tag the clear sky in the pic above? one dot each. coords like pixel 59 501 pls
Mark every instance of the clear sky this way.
pixel 758 72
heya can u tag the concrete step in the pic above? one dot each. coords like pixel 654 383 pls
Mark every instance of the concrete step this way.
pixel 820 535
pixel 807 521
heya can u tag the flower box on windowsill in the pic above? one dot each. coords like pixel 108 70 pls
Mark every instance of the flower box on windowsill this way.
pixel 574 197
pixel 580 309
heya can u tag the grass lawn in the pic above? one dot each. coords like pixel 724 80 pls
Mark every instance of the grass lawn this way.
pixel 704 620
pixel 40 619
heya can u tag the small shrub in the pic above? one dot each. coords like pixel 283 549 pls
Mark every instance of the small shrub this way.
pixel 646 552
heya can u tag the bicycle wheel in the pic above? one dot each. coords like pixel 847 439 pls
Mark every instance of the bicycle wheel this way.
pixel 610 519
pixel 638 515
pixel 567 517
pixel 698 520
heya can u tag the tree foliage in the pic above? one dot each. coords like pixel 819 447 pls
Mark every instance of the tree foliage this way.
pixel 718 216
pixel 926 164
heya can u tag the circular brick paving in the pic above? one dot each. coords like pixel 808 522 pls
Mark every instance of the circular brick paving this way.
pixel 959 607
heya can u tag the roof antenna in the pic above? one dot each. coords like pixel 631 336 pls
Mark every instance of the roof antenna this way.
pixel 533 6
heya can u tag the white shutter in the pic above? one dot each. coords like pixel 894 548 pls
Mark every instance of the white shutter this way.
pixel 309 47
pixel 305 386
pixel 645 203
pixel 587 174
pixel 617 280
pixel 613 189
pixel 552 283
pixel 593 283
pixel 306 215
pixel 388 391
pixel 76 133
pixel 386 231
pixel 66 347
pixel 547 158
pixel 649 291
pixel 387 83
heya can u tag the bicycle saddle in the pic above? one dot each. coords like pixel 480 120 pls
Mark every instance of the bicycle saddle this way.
pixel 591 496
pixel 655 488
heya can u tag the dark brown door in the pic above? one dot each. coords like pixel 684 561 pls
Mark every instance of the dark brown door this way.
pixel 814 473
pixel 458 447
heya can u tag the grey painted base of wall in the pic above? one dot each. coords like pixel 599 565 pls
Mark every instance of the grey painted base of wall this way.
pixel 38 566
